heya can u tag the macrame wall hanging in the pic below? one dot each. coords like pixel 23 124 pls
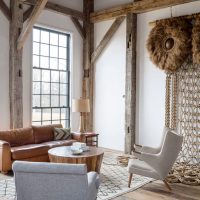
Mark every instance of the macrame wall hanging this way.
pixel 172 44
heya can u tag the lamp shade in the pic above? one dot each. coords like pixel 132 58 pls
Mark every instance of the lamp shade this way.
pixel 80 105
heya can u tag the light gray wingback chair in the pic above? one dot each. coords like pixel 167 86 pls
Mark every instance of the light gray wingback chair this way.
pixel 54 181
pixel 147 149
pixel 158 165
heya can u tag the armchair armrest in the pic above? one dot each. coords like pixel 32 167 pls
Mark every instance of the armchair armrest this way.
pixel 93 185
pixel 5 156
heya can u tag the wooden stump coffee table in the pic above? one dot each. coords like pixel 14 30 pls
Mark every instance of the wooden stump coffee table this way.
pixel 92 158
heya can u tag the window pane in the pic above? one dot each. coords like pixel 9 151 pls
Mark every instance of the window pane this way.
pixel 63 77
pixel 36 75
pixel 44 50
pixel 55 114
pixel 44 62
pixel 62 53
pixel 56 122
pixel 53 51
pixel 54 76
pixel 44 37
pixel 62 64
pixel 62 40
pixel 55 88
pixel 46 75
pixel 36 123
pixel 36 61
pixel 45 88
pixel 36 35
pixel 36 88
pixel 64 123
pixel 46 114
pixel 36 115
pixel 54 38
pixel 64 113
pixel 46 122
pixel 36 48
pixel 36 100
pixel 45 100
pixel 63 89
pixel 54 101
pixel 53 63
pixel 63 101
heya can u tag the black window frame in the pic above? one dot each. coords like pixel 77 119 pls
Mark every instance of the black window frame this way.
pixel 66 83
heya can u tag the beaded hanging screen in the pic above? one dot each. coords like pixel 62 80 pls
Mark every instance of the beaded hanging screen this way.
pixel 183 115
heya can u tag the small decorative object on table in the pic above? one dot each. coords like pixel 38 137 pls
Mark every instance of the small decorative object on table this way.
pixel 80 145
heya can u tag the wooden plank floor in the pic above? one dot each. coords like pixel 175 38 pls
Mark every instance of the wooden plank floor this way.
pixel 156 191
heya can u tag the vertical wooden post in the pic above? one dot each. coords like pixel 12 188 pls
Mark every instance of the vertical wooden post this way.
pixel 88 71
pixel 15 66
pixel 130 96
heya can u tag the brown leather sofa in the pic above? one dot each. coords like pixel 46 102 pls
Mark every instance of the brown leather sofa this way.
pixel 30 144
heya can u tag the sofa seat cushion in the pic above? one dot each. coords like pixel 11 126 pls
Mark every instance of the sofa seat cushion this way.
pixel 59 143
pixel 28 151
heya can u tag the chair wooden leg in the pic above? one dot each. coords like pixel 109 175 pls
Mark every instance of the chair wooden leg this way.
pixel 167 185
pixel 130 179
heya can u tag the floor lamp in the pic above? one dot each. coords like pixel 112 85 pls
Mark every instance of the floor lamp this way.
pixel 82 106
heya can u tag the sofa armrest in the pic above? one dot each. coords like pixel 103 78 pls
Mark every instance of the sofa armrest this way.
pixel 76 136
pixel 5 156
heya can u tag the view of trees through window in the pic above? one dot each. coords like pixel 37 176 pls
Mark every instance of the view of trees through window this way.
pixel 51 77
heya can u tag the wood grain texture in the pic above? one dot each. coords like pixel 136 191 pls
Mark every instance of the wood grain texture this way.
pixel 78 26
pixel 135 7
pixel 58 8
pixel 38 7
pixel 157 191
pixel 6 11
pixel 107 37
pixel 88 67
pixel 93 158
pixel 15 67
pixel 27 13
pixel 130 85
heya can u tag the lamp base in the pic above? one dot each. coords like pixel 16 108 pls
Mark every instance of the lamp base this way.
pixel 81 124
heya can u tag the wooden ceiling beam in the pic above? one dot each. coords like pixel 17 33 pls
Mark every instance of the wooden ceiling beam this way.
pixel 6 11
pixel 39 6
pixel 79 27
pixel 135 7
pixel 27 13
pixel 107 37
pixel 58 8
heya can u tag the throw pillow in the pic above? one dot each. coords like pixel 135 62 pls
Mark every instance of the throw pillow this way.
pixel 62 133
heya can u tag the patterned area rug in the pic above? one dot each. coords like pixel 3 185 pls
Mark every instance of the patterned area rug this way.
pixel 114 180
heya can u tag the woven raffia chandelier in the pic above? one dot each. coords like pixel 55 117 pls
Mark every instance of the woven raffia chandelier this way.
pixel 174 46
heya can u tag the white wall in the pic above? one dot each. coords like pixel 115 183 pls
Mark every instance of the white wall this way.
pixel 150 80
pixel 110 88
pixel 110 76
pixel 55 21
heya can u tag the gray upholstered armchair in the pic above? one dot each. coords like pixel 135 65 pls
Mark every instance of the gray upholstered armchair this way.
pixel 51 181
pixel 157 165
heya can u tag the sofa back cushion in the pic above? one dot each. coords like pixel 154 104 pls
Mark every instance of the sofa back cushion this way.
pixel 44 133
pixel 18 137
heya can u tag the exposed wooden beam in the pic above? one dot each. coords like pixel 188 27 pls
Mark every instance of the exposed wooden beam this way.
pixel 39 6
pixel 107 37
pixel 6 11
pixel 15 67
pixel 130 91
pixel 135 7
pixel 58 8
pixel 88 68
pixel 27 13
pixel 78 27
